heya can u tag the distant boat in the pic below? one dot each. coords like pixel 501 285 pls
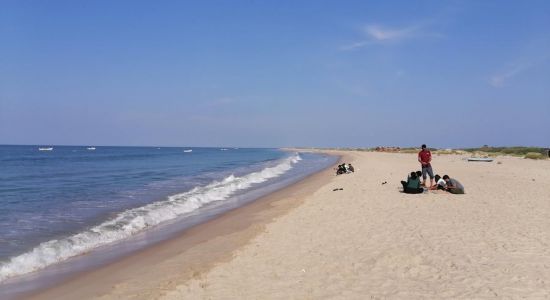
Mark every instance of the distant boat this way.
pixel 480 159
pixel 223 149
pixel 91 148
pixel 45 148
pixel 188 150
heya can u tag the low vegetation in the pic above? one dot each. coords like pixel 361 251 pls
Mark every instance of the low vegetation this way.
pixel 449 151
pixel 517 151
pixel 409 150
pixel 485 151
pixel 535 155
pixel 527 152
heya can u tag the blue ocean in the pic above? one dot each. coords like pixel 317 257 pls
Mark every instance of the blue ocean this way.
pixel 59 202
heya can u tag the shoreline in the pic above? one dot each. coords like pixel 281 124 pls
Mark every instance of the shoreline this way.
pixel 354 237
pixel 190 253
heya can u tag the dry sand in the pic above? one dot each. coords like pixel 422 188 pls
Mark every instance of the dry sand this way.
pixel 365 241
pixel 370 241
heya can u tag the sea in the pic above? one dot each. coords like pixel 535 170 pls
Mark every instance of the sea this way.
pixel 61 204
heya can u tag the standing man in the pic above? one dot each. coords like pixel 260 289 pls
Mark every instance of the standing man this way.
pixel 425 159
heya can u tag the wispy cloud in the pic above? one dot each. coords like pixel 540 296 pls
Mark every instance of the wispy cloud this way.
pixel 377 34
pixel 380 33
pixel 500 78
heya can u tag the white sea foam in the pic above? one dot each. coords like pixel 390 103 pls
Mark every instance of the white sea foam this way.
pixel 132 221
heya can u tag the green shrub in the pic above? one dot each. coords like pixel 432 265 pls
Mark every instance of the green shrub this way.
pixel 534 155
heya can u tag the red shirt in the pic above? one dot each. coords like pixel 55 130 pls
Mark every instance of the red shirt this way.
pixel 425 157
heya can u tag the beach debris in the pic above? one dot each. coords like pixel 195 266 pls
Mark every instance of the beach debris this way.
pixel 338 189
pixel 384 182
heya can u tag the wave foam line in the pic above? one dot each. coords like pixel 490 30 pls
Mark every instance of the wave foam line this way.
pixel 134 220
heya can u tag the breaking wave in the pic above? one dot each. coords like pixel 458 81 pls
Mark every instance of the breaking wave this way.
pixel 132 221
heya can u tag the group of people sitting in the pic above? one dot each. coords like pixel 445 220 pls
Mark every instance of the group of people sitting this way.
pixel 413 185
pixel 344 169
pixel 445 183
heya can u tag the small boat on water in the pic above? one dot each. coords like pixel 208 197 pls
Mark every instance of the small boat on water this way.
pixel 188 150
pixel 45 148
pixel 224 149
pixel 91 148
pixel 480 159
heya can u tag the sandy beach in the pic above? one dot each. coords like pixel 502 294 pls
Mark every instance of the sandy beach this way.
pixel 365 241
pixel 194 150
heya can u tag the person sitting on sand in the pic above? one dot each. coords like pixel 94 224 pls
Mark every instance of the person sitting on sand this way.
pixel 412 185
pixel 341 169
pixel 440 183
pixel 418 174
pixel 453 185
pixel 404 183
pixel 350 168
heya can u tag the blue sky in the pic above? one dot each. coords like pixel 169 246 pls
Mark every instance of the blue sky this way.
pixel 275 73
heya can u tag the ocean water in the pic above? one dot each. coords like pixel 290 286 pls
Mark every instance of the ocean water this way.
pixel 59 204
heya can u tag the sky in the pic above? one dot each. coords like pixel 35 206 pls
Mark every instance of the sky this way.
pixel 275 73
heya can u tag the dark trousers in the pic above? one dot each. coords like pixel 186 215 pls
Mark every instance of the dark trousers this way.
pixel 407 190
pixel 455 191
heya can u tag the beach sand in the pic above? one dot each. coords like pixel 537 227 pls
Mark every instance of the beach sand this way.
pixel 365 241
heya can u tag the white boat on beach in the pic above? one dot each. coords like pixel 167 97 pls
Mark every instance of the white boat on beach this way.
pixel 188 150
pixel 45 148
pixel 91 148
pixel 480 159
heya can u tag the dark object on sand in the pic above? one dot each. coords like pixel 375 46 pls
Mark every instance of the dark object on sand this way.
pixel 384 182
pixel 338 189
